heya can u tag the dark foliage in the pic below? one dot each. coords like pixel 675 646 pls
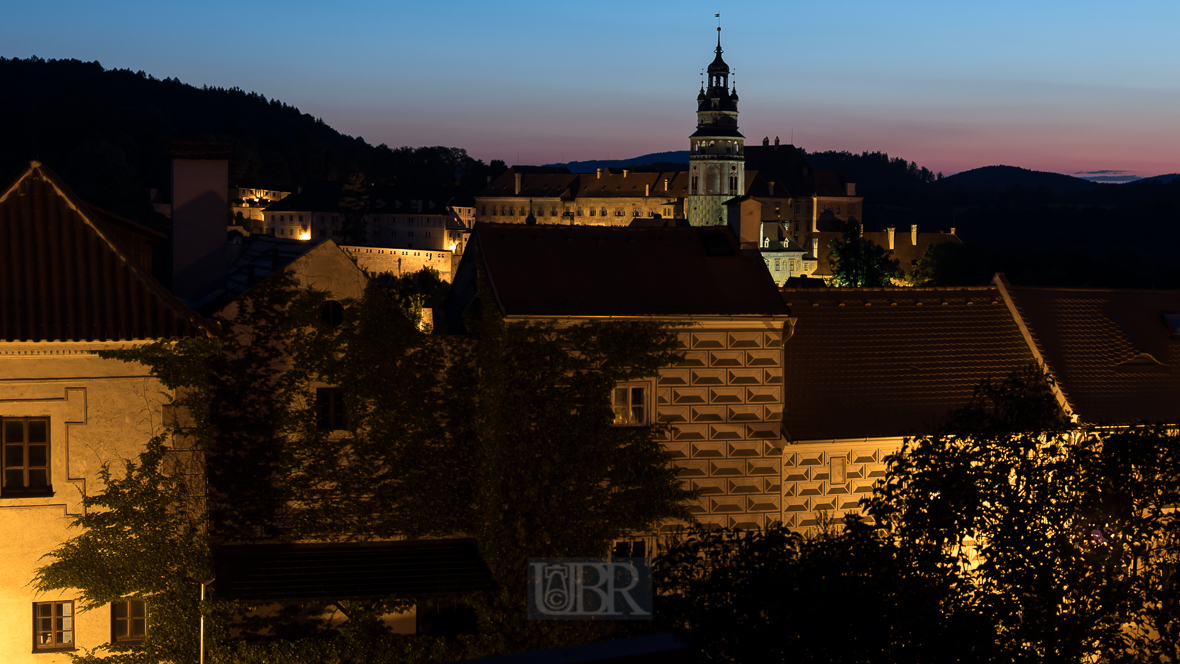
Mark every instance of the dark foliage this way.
pixel 775 596
pixel 857 261
pixel 1059 537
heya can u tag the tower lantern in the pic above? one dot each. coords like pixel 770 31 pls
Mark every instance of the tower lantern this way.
pixel 716 148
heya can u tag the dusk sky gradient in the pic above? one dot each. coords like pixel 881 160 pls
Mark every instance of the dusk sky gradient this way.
pixel 1056 86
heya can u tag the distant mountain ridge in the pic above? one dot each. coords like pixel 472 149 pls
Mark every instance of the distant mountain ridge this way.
pixel 679 157
pixel 1007 177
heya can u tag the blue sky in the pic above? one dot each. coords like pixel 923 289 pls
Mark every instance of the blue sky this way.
pixel 1066 87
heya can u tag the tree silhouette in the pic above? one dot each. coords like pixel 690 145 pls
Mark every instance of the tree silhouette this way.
pixel 857 261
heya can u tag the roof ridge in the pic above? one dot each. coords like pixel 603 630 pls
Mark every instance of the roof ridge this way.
pixel 1083 289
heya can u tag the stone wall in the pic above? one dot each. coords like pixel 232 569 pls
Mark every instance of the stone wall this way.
pixel 375 260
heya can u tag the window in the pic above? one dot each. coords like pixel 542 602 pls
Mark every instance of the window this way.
pixel 330 408
pixel 128 621
pixel 839 470
pixel 628 548
pixel 776 265
pixel 26 457
pixel 592 211
pixel 332 313
pixel 53 626
pixel 630 405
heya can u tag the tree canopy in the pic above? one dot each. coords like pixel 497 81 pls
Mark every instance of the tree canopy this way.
pixel 1010 535
pixel 505 435
pixel 857 261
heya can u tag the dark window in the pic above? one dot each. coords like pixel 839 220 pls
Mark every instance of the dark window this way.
pixel 26 457
pixel 330 408
pixel 53 626
pixel 332 313
pixel 630 549
pixel 128 621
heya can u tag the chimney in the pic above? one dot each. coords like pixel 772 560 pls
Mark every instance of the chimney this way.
pixel 776 140
pixel 666 188
pixel 914 234
pixel 489 179
pixel 624 172
pixel 647 190
pixel 850 188
pixel 765 140
pixel 599 173
pixel 518 178
pixel 200 199
pixel 952 230
pixel 889 232
pixel 815 247
pixel 771 188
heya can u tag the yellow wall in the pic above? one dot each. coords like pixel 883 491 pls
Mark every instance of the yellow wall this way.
pixel 98 410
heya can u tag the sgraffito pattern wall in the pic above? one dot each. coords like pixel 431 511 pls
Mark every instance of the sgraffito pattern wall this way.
pixel 821 483
pixel 724 406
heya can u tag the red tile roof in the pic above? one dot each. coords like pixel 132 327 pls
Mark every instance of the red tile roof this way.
pixel 64 276
pixel 879 362
pixel 1111 352
pixel 607 271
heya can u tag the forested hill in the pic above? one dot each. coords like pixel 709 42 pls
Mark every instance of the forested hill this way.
pixel 107 133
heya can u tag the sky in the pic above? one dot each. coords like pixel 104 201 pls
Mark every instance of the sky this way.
pixel 1071 87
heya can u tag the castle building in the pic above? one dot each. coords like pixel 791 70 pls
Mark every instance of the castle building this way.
pixel 793 199
pixel 716 149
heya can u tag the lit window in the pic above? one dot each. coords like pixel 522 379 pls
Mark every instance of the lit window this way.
pixel 128 621
pixel 53 626
pixel 630 405
pixel 26 457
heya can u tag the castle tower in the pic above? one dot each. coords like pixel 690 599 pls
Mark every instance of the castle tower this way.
pixel 716 154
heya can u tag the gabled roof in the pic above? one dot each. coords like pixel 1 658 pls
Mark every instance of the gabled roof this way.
pixel 261 256
pixel 881 362
pixel 419 568
pixel 65 277
pixel 609 271
pixel 1112 352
